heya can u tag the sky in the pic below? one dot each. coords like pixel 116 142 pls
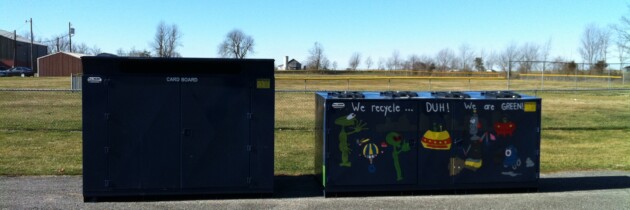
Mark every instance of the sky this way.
pixel 374 28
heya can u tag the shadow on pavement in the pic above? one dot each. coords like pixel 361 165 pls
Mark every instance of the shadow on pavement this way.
pixel 307 186
pixel 564 184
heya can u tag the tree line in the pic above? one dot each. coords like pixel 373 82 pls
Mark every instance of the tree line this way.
pixel 166 41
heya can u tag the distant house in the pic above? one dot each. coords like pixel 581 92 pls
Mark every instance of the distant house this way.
pixel 290 64
pixel 60 64
pixel 16 51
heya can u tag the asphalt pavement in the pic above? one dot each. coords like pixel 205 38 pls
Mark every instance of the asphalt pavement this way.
pixel 565 190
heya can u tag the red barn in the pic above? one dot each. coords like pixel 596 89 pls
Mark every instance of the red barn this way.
pixel 60 64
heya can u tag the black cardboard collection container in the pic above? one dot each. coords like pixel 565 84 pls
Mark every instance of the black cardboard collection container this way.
pixel 179 126
pixel 408 141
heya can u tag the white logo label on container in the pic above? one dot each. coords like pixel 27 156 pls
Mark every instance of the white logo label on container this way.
pixel 338 105
pixel 94 80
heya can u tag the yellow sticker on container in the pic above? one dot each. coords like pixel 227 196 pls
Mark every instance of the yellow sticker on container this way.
pixel 530 106
pixel 263 83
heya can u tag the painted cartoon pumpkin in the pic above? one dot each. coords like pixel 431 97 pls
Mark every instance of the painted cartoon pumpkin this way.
pixel 504 128
pixel 438 140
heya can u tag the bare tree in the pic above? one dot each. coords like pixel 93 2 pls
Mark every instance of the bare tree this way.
pixel 354 61
pixel 381 63
pixel 509 54
pixel 368 62
pixel 417 63
pixel 166 40
pixel 558 64
pixel 545 50
pixel 529 53
pixel 81 48
pixel 444 58
pixel 594 43
pixel 490 60
pixel 466 55
pixel 236 45
pixel 326 65
pixel 621 45
pixel 138 53
pixel 316 59
pixel 121 52
pixel 58 43
pixel 394 62
pixel 95 50
pixel 334 65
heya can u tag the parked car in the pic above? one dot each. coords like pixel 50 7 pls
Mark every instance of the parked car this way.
pixel 17 71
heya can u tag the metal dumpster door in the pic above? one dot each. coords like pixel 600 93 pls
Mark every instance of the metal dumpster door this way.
pixel 215 131
pixel 371 144
pixel 502 143
pixel 143 137
pixel 437 140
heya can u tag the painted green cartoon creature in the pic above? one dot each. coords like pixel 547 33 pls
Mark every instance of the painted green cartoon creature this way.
pixel 347 122
pixel 399 145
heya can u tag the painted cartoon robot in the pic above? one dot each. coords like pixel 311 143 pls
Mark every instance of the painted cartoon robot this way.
pixel 346 122
pixel 475 149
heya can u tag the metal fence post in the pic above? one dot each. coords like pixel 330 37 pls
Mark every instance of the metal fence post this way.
pixel 542 79
pixel 508 74
pixel 608 77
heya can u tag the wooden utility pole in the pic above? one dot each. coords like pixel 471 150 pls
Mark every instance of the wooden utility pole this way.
pixel 70 35
pixel 31 21
pixel 14 47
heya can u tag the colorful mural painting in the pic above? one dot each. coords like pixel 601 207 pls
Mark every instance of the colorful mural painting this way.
pixel 437 139
pixel 370 151
pixel 383 143
pixel 345 122
pixel 504 128
pixel 474 152
pixel 399 145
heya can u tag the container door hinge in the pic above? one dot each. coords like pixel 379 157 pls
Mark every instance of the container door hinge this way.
pixel 106 116
pixel 249 148
pixel 249 115
pixel 249 180
pixel 106 150
pixel 107 183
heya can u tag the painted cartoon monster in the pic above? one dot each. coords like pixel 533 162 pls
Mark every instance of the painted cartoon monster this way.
pixel 346 122
pixel 396 140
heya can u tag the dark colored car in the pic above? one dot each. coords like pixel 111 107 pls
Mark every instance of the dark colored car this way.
pixel 18 71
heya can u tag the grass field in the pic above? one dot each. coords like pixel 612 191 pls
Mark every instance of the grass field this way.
pixel 40 132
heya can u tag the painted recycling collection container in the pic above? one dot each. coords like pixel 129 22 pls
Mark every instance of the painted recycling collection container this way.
pixel 409 141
